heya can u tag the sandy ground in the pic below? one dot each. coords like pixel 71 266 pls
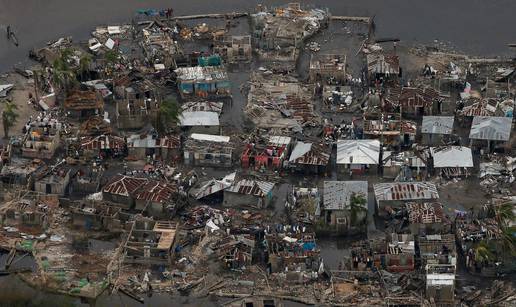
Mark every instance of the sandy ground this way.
pixel 19 95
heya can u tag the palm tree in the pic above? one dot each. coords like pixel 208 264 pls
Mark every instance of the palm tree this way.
pixel 358 204
pixel 84 65
pixel 9 117
pixel 168 113
pixel 507 242
pixel 504 214
pixel 62 74
pixel 483 252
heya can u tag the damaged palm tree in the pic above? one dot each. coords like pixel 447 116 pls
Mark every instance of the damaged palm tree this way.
pixel 63 76
pixel 168 115
pixel 9 117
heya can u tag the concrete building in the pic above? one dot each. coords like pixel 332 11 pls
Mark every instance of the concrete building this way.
pixel 344 207
pixel 246 192
pixel 208 150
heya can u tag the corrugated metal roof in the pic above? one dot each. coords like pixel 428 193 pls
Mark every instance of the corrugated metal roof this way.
pixel 300 150
pixel 251 187
pixel 426 213
pixel 213 186
pixel 405 191
pixel 199 73
pixel 155 191
pixel 361 151
pixel 337 194
pixel 210 138
pixel 452 156
pixel 279 140
pixel 141 141
pixel 437 124
pixel 491 128
pixel 124 185
pixel 199 118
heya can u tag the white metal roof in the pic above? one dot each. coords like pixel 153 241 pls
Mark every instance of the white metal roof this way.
pixel 199 118
pixel 452 156
pixel 491 128
pixel 137 141
pixel 361 151
pixel 437 124
pixel 337 194
pixel 280 140
pixel 210 137
pixel 300 150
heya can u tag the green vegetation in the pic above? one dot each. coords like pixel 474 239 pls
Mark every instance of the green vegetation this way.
pixel 168 114
pixel 9 117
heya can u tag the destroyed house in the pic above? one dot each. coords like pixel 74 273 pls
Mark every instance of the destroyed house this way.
pixel 205 106
pixel 200 122
pixel 357 155
pixel 440 284
pixel 103 146
pixel 405 163
pixel 213 187
pixel 296 253
pixel 150 242
pixel 400 253
pixel 141 146
pixel 272 154
pixel 83 104
pixel 40 143
pixel 414 100
pixel 22 172
pixel 427 218
pixel 86 181
pixel 344 206
pixel 236 251
pixel 279 33
pixel 487 107
pixel 94 215
pixel 248 192
pixel 330 68
pixel 235 49
pixel 434 128
pixel 452 161
pixel 122 189
pixel 203 82
pixel 310 157
pixel 26 212
pixel 383 66
pixel 159 45
pixel 157 198
pixel 55 181
pixel 393 194
pixel 304 204
pixel 390 129
pixel 208 150
pixel 437 249
pixel 279 101
pixel 136 103
pixel 95 125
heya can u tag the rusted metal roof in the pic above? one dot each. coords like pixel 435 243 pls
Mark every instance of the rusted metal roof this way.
pixel 102 142
pixel 310 153
pixel 169 141
pixel 252 187
pixel 155 191
pixel 124 185
pixel 405 191
pixel 83 100
pixel 425 213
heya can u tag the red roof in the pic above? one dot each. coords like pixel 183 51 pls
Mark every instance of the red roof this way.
pixel 156 191
pixel 124 185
